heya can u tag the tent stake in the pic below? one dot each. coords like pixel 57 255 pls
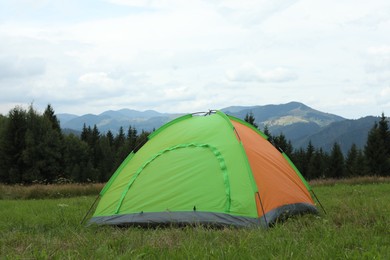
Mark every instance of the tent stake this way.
pixel 93 204
pixel 319 202
pixel 262 209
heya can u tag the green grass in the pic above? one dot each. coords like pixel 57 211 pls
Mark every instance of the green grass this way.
pixel 357 226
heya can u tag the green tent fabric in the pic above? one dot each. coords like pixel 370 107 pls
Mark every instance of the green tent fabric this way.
pixel 196 169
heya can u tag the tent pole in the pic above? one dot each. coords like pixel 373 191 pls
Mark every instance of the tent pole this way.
pixel 319 202
pixel 262 209
pixel 93 204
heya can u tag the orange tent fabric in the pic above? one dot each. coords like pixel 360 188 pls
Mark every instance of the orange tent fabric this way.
pixel 277 182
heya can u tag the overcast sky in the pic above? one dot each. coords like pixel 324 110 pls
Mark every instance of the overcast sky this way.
pixel 88 56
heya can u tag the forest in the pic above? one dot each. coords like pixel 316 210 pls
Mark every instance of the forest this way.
pixel 34 149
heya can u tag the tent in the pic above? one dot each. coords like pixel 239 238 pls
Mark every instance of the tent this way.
pixel 210 169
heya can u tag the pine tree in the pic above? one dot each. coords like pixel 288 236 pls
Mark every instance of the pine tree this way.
pixel 110 138
pixel 309 151
pixel 106 163
pixel 95 136
pixel 95 147
pixel 76 157
pixel 120 147
pixel 300 161
pixel 3 169
pixel 375 151
pixel 42 154
pixel 249 117
pixel 13 144
pixel 363 169
pixel 268 133
pixel 384 132
pixel 353 163
pixel 50 115
pixel 86 134
pixel 131 137
pixel 336 162
pixel 119 139
pixel 316 167
pixel 141 140
pixel 280 141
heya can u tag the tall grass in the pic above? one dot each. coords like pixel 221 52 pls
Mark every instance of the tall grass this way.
pixel 356 227
pixel 351 181
pixel 50 191
pixel 53 191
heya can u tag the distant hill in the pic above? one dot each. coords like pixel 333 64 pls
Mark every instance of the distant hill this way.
pixel 298 122
pixel 284 114
pixel 112 120
pixel 295 120
pixel 345 133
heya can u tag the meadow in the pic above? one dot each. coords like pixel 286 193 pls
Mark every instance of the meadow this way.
pixel 43 222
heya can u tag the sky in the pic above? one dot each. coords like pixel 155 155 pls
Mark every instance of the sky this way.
pixel 174 56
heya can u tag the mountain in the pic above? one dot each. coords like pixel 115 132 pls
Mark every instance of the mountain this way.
pixel 345 133
pixel 295 120
pixel 112 120
pixel 65 118
pixel 284 114
pixel 298 122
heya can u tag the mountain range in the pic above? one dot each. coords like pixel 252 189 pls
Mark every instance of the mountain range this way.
pixel 298 122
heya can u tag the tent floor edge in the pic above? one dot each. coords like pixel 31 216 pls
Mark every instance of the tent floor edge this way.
pixel 284 212
pixel 179 218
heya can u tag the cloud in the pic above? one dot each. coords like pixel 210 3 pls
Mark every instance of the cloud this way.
pixel 379 50
pixel 100 79
pixel 17 67
pixel 248 72
pixel 378 64
pixel 169 55
pixel 130 2
pixel 354 101
pixel 251 12
pixel 378 59
pixel 374 18
pixel 383 98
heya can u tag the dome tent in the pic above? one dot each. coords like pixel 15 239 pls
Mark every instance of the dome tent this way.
pixel 210 169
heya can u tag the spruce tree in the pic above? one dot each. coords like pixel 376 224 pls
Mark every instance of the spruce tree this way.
pixel 42 154
pixel 384 132
pixel 131 137
pixel 316 166
pixel 141 140
pixel 3 169
pixel 76 157
pixel 110 138
pixel 86 133
pixel 106 163
pixel 120 147
pixel 281 142
pixel 309 151
pixel 268 133
pixel 50 115
pixel 353 164
pixel 249 117
pixel 13 146
pixel 300 160
pixel 336 162
pixel 375 151
pixel 95 147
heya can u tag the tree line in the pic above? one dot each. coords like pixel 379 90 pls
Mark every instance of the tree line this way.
pixel 314 163
pixel 34 149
